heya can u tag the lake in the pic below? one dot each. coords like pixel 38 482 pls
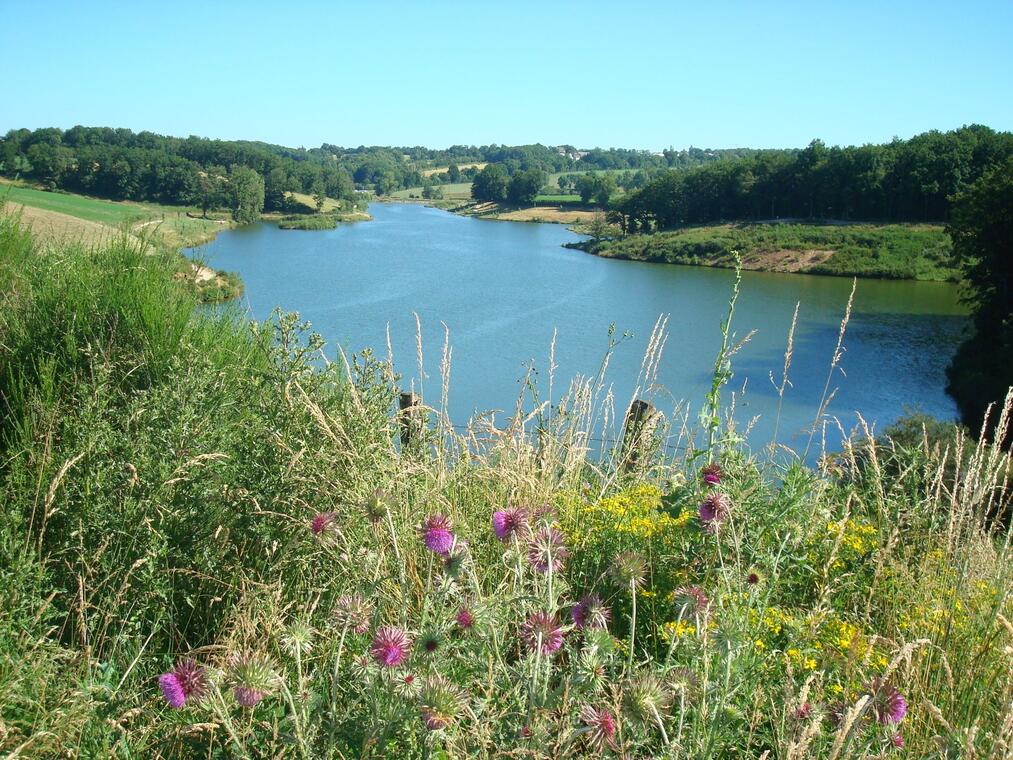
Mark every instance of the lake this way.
pixel 502 288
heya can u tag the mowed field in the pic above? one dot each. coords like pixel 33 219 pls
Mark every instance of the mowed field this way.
pixel 439 169
pixel 79 217
pixel 453 191
pixel 308 201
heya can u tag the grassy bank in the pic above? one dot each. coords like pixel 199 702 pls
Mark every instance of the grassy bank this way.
pixel 58 218
pixel 916 252
pixel 179 485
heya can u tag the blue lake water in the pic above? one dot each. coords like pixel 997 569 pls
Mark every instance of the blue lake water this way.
pixel 502 288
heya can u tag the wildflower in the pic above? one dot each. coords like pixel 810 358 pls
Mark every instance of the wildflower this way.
pixel 440 702
pixel 590 612
pixel 754 576
pixel 507 523
pixel 888 704
pixel 187 681
pixel 390 646
pixel 629 569
pixel 676 629
pixel 354 612
pixel 429 642
pixel 542 631
pixel 711 474
pixel 322 523
pixel 897 741
pixel 691 600
pixel 407 685
pixel 683 681
pixel 589 669
pixel 526 731
pixel 465 619
pixel 436 534
pixel 453 560
pixel 547 550
pixel 253 677
pixel 375 507
pixel 601 725
pixel 646 698
pixel 298 638
pixel 714 510
pixel 802 712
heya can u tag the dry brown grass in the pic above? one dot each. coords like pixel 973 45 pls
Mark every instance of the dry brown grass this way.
pixel 785 260
pixel 462 167
pixel 52 227
pixel 553 214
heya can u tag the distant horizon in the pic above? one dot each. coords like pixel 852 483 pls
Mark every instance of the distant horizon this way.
pixel 350 146
pixel 644 76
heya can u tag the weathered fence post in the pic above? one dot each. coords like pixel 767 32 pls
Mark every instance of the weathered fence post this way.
pixel 641 420
pixel 410 419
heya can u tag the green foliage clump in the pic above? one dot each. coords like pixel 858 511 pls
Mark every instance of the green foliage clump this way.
pixel 892 251
pixel 308 222
pixel 982 229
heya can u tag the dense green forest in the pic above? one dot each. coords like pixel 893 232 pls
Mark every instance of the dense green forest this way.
pixel 123 165
pixel 904 180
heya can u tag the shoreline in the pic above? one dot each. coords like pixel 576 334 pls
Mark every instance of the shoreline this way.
pixel 813 260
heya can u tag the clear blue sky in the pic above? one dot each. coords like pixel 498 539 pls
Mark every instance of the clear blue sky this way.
pixel 632 74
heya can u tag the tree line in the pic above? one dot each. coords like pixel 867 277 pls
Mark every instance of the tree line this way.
pixel 122 165
pixel 981 227
pixel 904 180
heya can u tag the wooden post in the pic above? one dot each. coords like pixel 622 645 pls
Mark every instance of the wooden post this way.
pixel 637 430
pixel 410 418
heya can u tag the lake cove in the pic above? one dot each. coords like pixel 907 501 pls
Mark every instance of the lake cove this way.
pixel 501 290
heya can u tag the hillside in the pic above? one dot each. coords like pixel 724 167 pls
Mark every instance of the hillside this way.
pixel 60 218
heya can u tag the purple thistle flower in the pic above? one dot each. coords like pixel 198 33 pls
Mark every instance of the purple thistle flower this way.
pixel 507 523
pixel 353 611
pixel 542 632
pixel 430 642
pixel 390 646
pixel 803 712
pixel 711 474
pixel 590 612
pixel 247 696
pixel 172 690
pixel 547 549
pixel 897 741
pixel 253 677
pixel 465 619
pixel 692 600
pixel 629 569
pixel 322 522
pixel 436 534
pixel 440 702
pixel 601 726
pixel 186 682
pixel 454 559
pixel 376 506
pixel 714 510
pixel 888 704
